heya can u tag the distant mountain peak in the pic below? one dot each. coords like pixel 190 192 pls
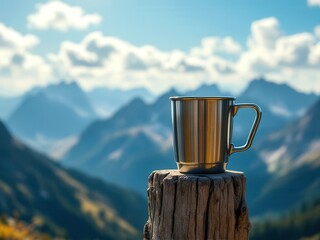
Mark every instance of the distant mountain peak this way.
pixel 164 99
pixel 207 85
pixel 280 99
pixel 262 82
pixel 205 89
pixel 267 85
pixel 71 94
pixel 170 93
pixel 135 106
pixel 65 84
pixel 137 101
pixel 50 115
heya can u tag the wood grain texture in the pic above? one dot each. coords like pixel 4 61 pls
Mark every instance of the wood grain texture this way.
pixel 203 206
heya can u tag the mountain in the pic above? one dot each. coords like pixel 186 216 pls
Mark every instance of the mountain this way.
pixel 7 105
pixel 126 158
pixel 68 203
pixel 41 115
pixel 296 144
pixel 50 114
pixel 280 99
pixel 205 90
pixel 293 157
pixel 112 144
pixel 106 146
pixel 136 139
pixel 71 95
pixel 280 105
pixel 106 101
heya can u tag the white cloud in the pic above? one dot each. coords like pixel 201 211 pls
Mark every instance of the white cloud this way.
pixel 114 62
pixel 294 49
pixel 256 61
pixel 314 57
pixel 264 33
pixel 317 31
pixel 19 68
pixel 109 61
pixel 61 16
pixel 284 58
pixel 259 57
pixel 11 39
pixel 314 2
pixel 212 45
pixel 269 50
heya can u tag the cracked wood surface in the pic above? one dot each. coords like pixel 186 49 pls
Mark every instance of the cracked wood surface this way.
pixel 197 206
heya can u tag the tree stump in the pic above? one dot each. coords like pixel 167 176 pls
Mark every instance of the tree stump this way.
pixel 202 206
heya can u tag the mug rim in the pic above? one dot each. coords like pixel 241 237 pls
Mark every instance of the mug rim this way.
pixel 186 98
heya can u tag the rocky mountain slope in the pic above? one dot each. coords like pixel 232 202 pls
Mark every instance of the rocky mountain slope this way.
pixel 69 203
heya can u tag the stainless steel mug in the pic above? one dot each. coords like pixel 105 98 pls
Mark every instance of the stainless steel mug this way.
pixel 202 132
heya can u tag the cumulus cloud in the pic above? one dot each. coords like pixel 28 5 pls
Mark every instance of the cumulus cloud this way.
pixel 61 16
pixel 314 2
pixel 259 57
pixel 264 33
pixel 98 59
pixel 212 45
pixel 284 58
pixel 19 67
pixel 269 49
pixel 11 39
pixel 294 50
pixel 314 57
pixel 112 54
pixel 101 57
pixel 104 60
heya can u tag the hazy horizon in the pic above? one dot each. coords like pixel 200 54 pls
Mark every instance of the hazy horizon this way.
pixel 222 87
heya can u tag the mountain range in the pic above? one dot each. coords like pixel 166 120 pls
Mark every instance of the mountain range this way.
pixel 280 99
pixel 205 90
pixel 137 139
pixel 68 203
pixel 293 157
pixel 106 101
pixel 47 115
pixel 282 167
pixel 280 105
pixel 140 130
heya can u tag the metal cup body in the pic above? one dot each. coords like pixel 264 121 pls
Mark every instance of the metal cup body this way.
pixel 202 132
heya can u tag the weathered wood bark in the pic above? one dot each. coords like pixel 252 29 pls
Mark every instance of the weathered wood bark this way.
pixel 206 206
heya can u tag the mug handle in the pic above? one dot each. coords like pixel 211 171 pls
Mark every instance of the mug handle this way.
pixel 254 127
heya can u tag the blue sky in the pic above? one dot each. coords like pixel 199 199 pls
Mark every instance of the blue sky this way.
pixel 170 24
pixel 172 28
